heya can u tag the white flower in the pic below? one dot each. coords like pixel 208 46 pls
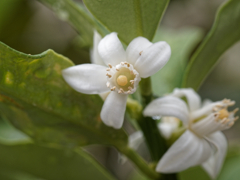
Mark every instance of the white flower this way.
pixel 202 142
pixel 95 57
pixel 125 69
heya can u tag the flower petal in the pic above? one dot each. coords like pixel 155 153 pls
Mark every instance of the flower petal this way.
pixel 194 100
pixel 153 59
pixel 94 55
pixel 86 78
pixel 168 106
pixel 135 48
pixel 214 164
pixel 111 50
pixel 205 110
pixel 212 123
pixel 104 95
pixel 135 140
pixel 113 110
pixel 189 150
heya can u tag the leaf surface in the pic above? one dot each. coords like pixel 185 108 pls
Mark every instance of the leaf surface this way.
pixel 36 99
pixel 223 34
pixel 129 18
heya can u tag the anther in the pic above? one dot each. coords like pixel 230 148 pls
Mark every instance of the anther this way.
pixel 108 69
pixel 230 124
pixel 113 88
pixel 129 87
pixel 140 53
pixel 117 69
pixel 236 118
pixel 129 92
pixel 235 110
pixel 110 65
pixel 109 75
pixel 132 82
pixel 128 65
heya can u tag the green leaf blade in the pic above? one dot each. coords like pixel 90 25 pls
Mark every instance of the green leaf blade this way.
pixel 224 33
pixel 49 163
pixel 129 18
pixel 36 99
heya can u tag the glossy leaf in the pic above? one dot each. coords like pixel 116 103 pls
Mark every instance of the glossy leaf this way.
pixel 182 42
pixel 36 99
pixel 224 33
pixel 29 160
pixel 129 18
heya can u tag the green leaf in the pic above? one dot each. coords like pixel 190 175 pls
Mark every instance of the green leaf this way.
pixel 182 42
pixel 49 163
pixel 36 99
pixel 69 11
pixel 129 18
pixel 224 33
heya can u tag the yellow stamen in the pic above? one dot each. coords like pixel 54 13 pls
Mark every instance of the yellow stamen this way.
pixel 122 80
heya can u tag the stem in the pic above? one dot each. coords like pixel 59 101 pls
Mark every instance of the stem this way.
pixel 156 144
pixel 140 163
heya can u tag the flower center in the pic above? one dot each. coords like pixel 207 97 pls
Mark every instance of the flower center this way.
pixel 122 78
pixel 223 113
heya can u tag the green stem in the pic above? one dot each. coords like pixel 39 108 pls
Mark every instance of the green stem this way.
pixel 156 144
pixel 140 163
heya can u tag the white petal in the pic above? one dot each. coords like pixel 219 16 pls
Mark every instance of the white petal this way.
pixel 189 150
pixel 214 164
pixel 168 106
pixel 211 124
pixel 206 102
pixel 205 110
pixel 104 95
pixel 153 59
pixel 113 110
pixel 135 48
pixel 86 78
pixel 95 57
pixel 111 50
pixel 135 140
pixel 193 99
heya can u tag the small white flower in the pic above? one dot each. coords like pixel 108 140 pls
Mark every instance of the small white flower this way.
pixel 202 142
pixel 125 69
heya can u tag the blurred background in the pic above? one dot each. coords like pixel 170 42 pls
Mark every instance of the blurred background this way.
pixel 30 27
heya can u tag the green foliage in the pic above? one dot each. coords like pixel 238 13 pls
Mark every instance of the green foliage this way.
pixel 28 161
pixel 224 33
pixel 129 18
pixel 182 43
pixel 36 99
